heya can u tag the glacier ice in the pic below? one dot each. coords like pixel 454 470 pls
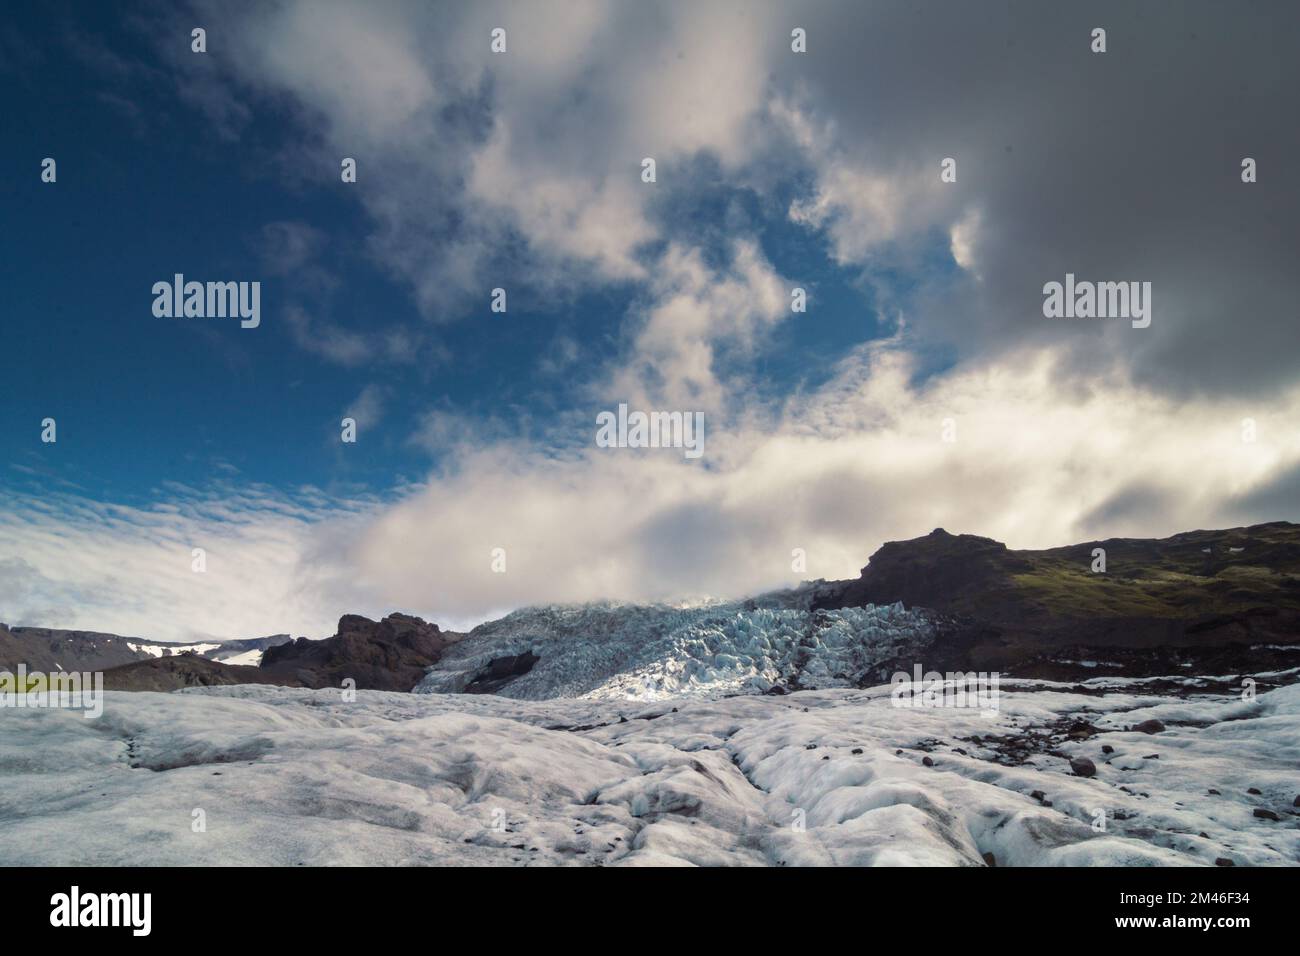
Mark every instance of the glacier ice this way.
pixel 300 777
pixel 648 652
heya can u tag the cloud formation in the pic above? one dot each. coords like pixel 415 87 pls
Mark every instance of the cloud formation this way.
pixel 476 170
pixel 524 165
pixel 842 470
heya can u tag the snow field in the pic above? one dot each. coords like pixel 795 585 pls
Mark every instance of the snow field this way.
pixel 289 777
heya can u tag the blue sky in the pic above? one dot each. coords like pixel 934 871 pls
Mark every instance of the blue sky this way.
pixel 521 170
pixel 148 189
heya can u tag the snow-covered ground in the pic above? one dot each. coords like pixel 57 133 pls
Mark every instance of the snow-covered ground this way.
pixel 292 777
pixel 650 652
pixel 216 652
pixel 246 659
pixel 168 650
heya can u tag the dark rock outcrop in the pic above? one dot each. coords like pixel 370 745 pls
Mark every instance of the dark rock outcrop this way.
pixel 944 572
pixel 500 672
pixel 391 654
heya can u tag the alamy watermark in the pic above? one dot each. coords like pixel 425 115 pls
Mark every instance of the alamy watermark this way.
pixel 209 300
pixel 133 911
pixel 974 690
pixel 59 690
pixel 626 429
pixel 1098 300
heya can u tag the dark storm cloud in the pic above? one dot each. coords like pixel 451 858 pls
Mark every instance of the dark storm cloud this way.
pixel 1126 507
pixel 1278 498
pixel 1116 166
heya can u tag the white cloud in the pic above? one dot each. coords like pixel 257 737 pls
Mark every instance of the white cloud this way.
pixel 460 151
pixel 694 308
pixel 1039 461
pixel 128 570
pixel 1034 464
pixel 862 201
pixel 368 407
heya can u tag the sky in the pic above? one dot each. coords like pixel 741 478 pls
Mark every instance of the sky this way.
pixel 922 387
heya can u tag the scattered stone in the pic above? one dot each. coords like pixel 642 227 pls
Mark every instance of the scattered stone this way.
pixel 1083 767
pixel 1151 757
pixel 1107 749
pixel 1149 727
pixel 990 860
pixel 1266 814
pixel 1081 730
pixel 1254 792
pixel 857 750
pixel 1223 861
pixel 1213 791
pixel 927 761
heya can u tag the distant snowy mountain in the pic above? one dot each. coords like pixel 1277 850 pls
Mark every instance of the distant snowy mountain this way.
pixel 246 652
pixel 630 651
pixel 43 648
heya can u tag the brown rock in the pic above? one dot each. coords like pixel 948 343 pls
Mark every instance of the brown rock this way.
pixel 1149 727
pixel 391 654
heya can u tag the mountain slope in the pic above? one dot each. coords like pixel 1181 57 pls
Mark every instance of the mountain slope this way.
pixel 1196 591
pixel 187 670
pixel 52 649
pixel 43 649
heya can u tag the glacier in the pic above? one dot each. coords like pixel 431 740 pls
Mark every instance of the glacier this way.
pixel 649 652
